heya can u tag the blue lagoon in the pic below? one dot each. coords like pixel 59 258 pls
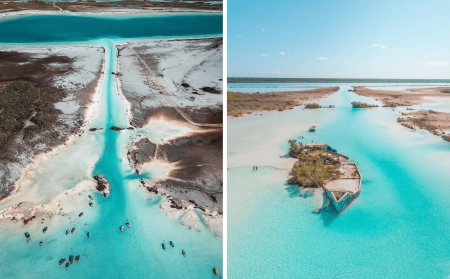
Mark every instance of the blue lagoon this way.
pixel 397 227
pixel 64 178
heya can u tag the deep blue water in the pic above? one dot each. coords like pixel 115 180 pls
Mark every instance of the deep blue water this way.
pixel 70 28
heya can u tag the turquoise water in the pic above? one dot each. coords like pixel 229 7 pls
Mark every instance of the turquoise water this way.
pixel 74 28
pixel 279 87
pixel 259 80
pixel 397 228
pixel 137 252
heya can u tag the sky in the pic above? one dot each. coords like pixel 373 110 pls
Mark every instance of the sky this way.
pixel 339 39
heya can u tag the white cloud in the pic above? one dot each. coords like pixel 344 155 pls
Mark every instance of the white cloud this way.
pixel 322 58
pixel 258 72
pixel 282 53
pixel 264 54
pixel 262 30
pixel 425 52
pixel 438 63
pixel 276 72
pixel 378 45
pixel 335 61
pixel 239 35
pixel 297 54
pixel 345 59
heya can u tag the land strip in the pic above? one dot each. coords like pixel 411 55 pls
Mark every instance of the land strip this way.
pixel 408 97
pixel 246 103
pixel 432 121
pixel 95 7
pixel 45 96
pixel 178 83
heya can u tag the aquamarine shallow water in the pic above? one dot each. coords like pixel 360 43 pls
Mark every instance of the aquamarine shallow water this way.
pixel 397 228
pixel 135 253
pixel 78 28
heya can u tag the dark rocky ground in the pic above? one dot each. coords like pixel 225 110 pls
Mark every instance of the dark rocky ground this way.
pixel 33 84
pixel 199 176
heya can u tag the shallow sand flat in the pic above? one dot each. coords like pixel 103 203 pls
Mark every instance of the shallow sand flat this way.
pixel 74 69
pixel 193 155
pixel 262 207
pixel 195 62
pixel 409 97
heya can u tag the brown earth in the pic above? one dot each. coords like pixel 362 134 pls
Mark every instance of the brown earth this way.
pixel 246 103
pixel 432 121
pixel 50 126
pixel 15 65
pixel 198 176
pixel 403 98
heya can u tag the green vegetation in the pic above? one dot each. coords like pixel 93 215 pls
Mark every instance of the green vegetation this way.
pixel 312 106
pixel 362 105
pixel 311 170
pixel 389 105
pixel 295 148
pixel 21 101
pixel 446 91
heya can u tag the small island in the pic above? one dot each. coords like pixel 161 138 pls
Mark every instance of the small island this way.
pixel 362 105
pixel 316 106
pixel 320 165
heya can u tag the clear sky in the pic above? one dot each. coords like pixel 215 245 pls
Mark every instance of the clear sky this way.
pixel 339 38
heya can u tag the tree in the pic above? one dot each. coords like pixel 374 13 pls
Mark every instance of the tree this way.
pixel 295 149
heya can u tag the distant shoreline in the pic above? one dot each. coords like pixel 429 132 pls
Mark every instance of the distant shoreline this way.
pixel 330 80
pixel 111 6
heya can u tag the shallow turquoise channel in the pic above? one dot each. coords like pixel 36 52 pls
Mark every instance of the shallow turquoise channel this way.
pixel 399 227
pixel 137 252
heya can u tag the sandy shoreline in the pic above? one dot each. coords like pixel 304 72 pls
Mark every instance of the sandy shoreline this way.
pixel 39 158
pixel 62 204
pixel 432 121
pixel 240 104
pixel 82 87
pixel 409 97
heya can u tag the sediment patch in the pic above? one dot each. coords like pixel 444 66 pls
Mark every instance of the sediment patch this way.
pixel 409 97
